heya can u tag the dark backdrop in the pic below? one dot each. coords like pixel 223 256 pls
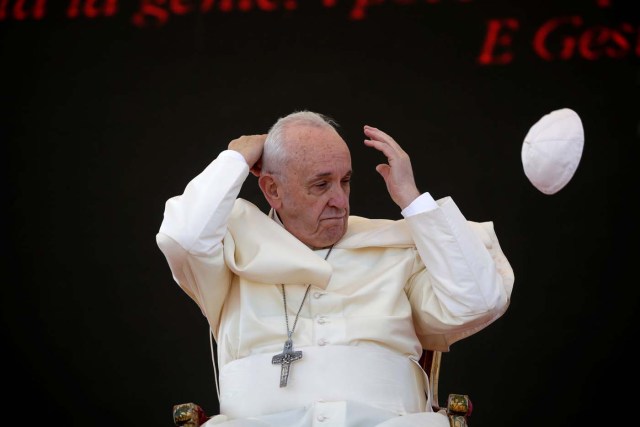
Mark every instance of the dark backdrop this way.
pixel 104 116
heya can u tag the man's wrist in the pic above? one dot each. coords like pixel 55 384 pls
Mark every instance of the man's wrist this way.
pixel 422 203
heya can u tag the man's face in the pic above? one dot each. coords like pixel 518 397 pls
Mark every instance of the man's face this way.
pixel 314 194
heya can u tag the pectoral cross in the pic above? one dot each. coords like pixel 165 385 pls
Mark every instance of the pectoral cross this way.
pixel 285 358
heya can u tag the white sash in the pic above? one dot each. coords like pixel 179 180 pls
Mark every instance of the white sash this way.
pixel 372 375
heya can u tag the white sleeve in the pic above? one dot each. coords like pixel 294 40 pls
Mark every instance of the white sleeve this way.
pixel 470 277
pixel 422 203
pixel 197 219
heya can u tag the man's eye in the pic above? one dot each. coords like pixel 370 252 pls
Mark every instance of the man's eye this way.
pixel 321 184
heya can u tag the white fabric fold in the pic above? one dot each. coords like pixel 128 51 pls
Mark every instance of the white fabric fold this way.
pixel 371 375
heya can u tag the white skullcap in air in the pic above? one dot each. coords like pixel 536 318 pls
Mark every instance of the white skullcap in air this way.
pixel 552 149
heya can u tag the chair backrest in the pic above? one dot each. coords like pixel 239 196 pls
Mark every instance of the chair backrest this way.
pixel 430 362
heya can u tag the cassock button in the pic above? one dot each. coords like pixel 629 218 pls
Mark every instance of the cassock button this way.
pixel 317 295
pixel 321 418
pixel 322 341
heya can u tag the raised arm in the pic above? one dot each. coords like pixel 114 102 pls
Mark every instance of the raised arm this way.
pixel 467 282
pixel 197 219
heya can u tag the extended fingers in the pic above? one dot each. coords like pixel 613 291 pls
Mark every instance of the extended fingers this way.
pixel 382 141
pixel 375 133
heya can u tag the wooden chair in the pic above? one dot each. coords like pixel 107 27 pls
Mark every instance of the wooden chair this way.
pixel 458 407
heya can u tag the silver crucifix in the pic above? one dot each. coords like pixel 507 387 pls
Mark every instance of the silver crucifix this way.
pixel 285 358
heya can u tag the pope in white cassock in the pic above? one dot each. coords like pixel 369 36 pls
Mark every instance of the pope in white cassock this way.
pixel 320 317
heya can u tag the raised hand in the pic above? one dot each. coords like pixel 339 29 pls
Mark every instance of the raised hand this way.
pixel 397 172
pixel 250 146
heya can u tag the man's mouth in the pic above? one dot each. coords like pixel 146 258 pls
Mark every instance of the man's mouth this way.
pixel 333 218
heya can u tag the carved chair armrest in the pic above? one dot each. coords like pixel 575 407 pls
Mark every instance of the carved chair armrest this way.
pixel 188 415
pixel 459 408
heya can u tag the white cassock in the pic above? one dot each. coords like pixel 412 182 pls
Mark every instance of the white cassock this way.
pixel 387 290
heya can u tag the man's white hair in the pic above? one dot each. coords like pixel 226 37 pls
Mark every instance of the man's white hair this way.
pixel 274 154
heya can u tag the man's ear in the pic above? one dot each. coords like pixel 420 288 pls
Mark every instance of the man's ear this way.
pixel 270 189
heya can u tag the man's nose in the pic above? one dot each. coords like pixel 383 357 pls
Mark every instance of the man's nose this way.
pixel 339 197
